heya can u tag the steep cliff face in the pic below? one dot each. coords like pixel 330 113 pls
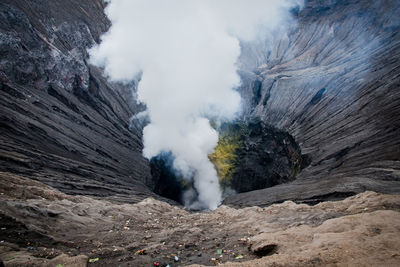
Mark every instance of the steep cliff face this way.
pixel 61 122
pixel 333 83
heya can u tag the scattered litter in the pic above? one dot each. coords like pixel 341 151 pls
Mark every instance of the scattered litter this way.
pixel 176 258
pixel 141 252
pixel 93 260
pixel 239 256
pixel 59 265
pixel 3 228
pixel 156 264
pixel 10 259
pixel 110 231
pixel 213 259
pixel 126 228
pixel 219 251
pixel 168 265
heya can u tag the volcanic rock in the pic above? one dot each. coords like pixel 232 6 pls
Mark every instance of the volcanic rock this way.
pixel 265 157
pixel 332 83
pixel 61 121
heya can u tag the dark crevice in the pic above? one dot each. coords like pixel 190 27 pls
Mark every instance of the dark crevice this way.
pixel 268 94
pixel 257 91
pixel 83 95
pixel 300 118
pixel 166 182
pixel 12 92
pixel 340 154
pixel 317 97
pixel 51 91
pixel 334 196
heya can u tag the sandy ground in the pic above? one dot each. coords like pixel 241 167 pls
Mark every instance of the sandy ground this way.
pixel 41 226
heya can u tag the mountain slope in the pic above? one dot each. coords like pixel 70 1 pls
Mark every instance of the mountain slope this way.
pixel 61 122
pixel 333 83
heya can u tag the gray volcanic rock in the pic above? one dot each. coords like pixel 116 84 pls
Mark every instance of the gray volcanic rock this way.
pixel 267 158
pixel 264 157
pixel 333 83
pixel 61 122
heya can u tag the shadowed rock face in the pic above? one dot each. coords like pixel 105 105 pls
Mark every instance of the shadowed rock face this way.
pixel 166 182
pixel 266 157
pixel 263 157
pixel 61 122
pixel 332 82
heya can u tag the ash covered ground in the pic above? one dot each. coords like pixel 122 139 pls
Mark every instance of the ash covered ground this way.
pixel 44 227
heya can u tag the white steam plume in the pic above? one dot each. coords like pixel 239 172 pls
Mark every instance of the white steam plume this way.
pixel 186 51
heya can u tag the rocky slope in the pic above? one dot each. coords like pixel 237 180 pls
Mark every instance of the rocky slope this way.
pixel 333 83
pixel 61 122
pixel 41 226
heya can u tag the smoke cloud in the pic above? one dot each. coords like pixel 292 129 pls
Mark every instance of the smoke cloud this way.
pixel 186 52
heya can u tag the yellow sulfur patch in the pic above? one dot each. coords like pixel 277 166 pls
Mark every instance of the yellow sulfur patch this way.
pixel 224 158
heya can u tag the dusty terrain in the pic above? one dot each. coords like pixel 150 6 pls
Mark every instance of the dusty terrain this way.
pixel 41 226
